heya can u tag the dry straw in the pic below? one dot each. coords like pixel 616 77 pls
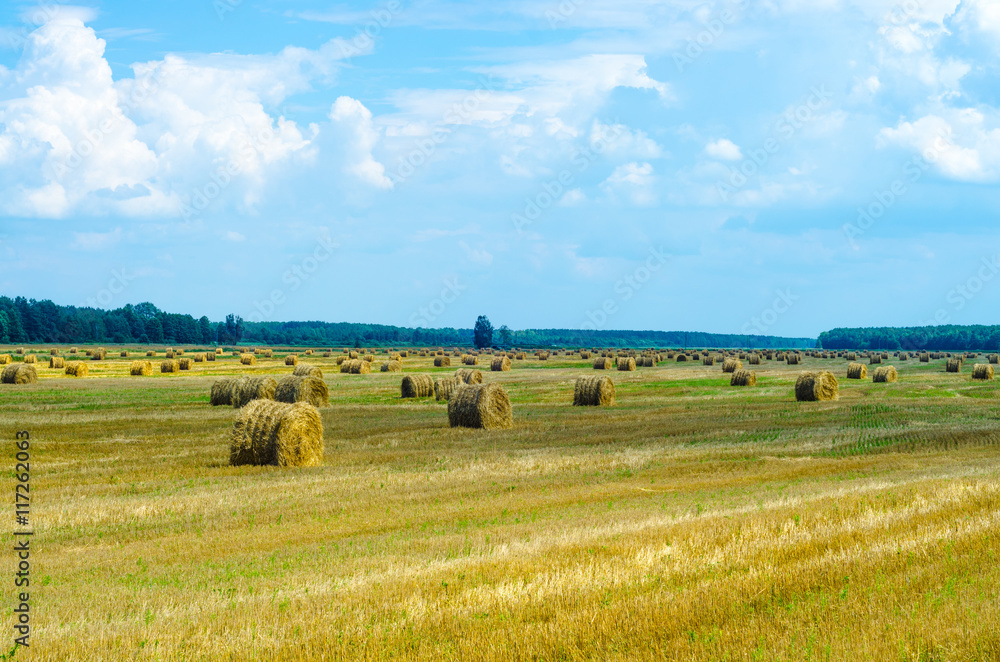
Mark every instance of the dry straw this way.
pixel 140 369
pixel 954 365
pixel 218 350
pixel 595 391
pixel 198 358
pixel 926 358
pixel 982 371
pixel 857 371
pixel 5 359
pixel 443 387
pixel 123 354
pixel 442 361
pixel 57 362
pixel 73 350
pixel 247 389
pixel 78 369
pixel 19 373
pixel 276 433
pixel 295 388
pixel 993 358
pixel 210 356
pixel 682 358
pixel 626 363
pixel 584 355
pixel 708 360
pixel 341 360
pixel 470 359
pixel 885 375
pixel 792 359
pixel 150 353
pixel 30 358
pixel 875 359
pixel 392 366
pixel 743 378
pixel 732 365
pixel 293 359
pixel 248 359
pixel 603 363
pixel 172 365
pixel 352 355
pixel 816 386
pixel 185 363
pixel 469 376
pixel 359 367
pixel 483 406
pixel 417 386
pixel 170 354
pixel 500 364
pixel 307 371
pixel 222 391
pixel 754 359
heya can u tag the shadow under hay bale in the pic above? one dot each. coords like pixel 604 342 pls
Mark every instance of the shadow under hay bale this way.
pixel 417 386
pixel 885 375
pixel 595 391
pixel 743 378
pixel 481 406
pixel 248 388
pixel 140 369
pixel 278 434
pixel 19 373
pixel 302 388
pixel 816 387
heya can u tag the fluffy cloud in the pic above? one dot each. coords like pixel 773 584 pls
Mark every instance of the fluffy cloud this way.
pixel 724 149
pixel 634 182
pixel 352 123
pixel 962 144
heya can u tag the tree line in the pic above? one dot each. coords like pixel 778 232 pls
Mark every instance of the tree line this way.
pixel 914 338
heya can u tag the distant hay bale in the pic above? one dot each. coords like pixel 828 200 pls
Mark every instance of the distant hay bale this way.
pixel 983 371
pixel 140 369
pixel 57 362
pixel 5 359
pixel 417 386
pixel 293 359
pixel 123 354
pixel 993 358
pixel 403 353
pixel 708 360
pixel 341 359
pixel 603 363
pixel 19 373
pixel 731 365
pixel 73 350
pixel 222 392
pixel 185 363
pixel 172 365
pixel 625 363
pixel 500 364
pixel 307 371
pixel 352 355
pixel 442 361
pixel 584 355
pixel 816 386
pixel 595 391
pixel 857 371
pixel 543 356
pixel 953 365
pixel 248 359
pixel 210 356
pixel 150 353
pixel 395 356
pixel 645 362
pixel 19 350
pixel 885 375
pixel 469 376
pixel 267 354
pixel 925 358
pixel 792 359
pixel 248 388
pixel 754 359
pixel 392 366
pixel 170 354
pixel 682 358
pixel 875 359
pixel 327 355
pixel 198 358
pixel 302 388
pixel 30 358
pixel 345 367
pixel 481 406
pixel 179 352
pixel 743 378
pixel 309 352
pixel 370 358
pixel 470 359
pixel 443 387
pixel 276 433
pixel 218 350
pixel 54 352
pixel 77 369
pixel 520 356
pixel 360 367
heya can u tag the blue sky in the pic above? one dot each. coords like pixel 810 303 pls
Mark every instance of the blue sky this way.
pixel 778 167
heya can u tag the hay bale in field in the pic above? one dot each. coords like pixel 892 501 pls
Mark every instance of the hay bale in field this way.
pixel 395 356
pixel 743 378
pixel 442 361
pixel 792 359
pixel 403 353
pixel 184 363
pixel 302 388
pixel 198 358
pixel 925 358
pixel 78 369
pixel 307 371
pixel 603 363
pixel 370 358
pixel 150 353
pixel 500 364
pixel 732 365
pixel 179 352
pixel 903 356
pixel 54 352
pixel 123 354
pixel 584 355
pixel 248 359
pixel 392 366
pixel 170 354
pixel 345 367
pixel 469 376
pixel 57 362
pixel 543 356
pixel 754 359
pixel 625 363
pixel 993 358
pixel 267 354
pixel 172 365
pixel 140 369
pixel 645 362
pixel 481 406
pixel 875 359
pixel 293 359
pixel 222 392
pixel 327 355
pixel 417 386
pixel 341 360
pixel 19 373
pixel 443 387
pixel 682 358
pixel 210 356
pixel 30 358
pixel 276 433
pixel 218 350
pixel 249 388
pixel 857 371
pixel 983 371
pixel 520 356
pixel 953 365
pixel 359 367
pixel 5 359
pixel 885 375
pixel 352 355
pixel 594 391
pixel 816 386
pixel 470 359
pixel 19 350
pixel 309 352
pixel 73 350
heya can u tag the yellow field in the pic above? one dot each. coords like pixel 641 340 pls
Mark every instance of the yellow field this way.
pixel 692 521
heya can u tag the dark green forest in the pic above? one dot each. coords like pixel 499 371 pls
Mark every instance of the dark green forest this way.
pixel 914 338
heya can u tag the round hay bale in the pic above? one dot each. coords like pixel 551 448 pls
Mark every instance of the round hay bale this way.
pixel 885 375
pixel 341 360
pixel 857 371
pixel 595 391
pixel 73 350
pixel 57 362
pixel 470 359
pixel 218 350
pixel 222 392
pixel 743 378
pixel 170 354
pixel 150 353
pixel 792 359
pixel 309 352
pixel 30 358
pixel 5 359
pixel 19 350
pixel 953 365
pixel 140 369
pixel 19 373
pixel 443 387
pixel 77 369
pixel 172 365
pixel 370 358
pixel 352 355
pixel 123 354
pixel 417 386
pixel 983 371
pixel 185 363
pixel 500 364
pixel 307 371
pixel 993 358
pixel 603 363
pixel 731 365
pixel 875 359
pixel 543 356
pixel 403 353
pixel 210 356
pixel 248 388
pixel 482 406
pixel 469 376
pixel 293 359
pixel 278 434
pixel 520 356
pixel 54 352
pixel 248 359
pixel 625 364
pixel 925 358
pixel 442 361
pixel 395 356
pixel 302 388
pixel 392 366
pixel 360 367
pixel 267 354
pixel 708 360
pixel 754 359
pixel 584 355
pixel 816 386
pixel 682 358
pixel 198 358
